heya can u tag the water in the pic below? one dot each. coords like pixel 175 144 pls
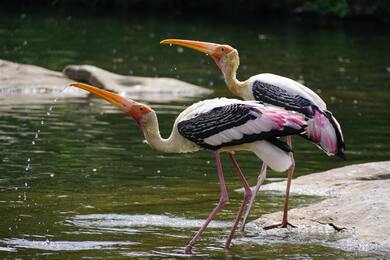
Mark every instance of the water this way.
pixel 97 190
pixel 28 169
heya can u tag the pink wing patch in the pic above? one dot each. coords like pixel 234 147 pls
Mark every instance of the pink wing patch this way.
pixel 321 131
pixel 283 118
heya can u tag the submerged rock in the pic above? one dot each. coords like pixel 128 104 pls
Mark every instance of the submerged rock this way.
pixel 139 88
pixel 355 213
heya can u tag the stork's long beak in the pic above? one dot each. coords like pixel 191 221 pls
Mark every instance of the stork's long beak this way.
pixel 214 50
pixel 132 108
pixel 125 104
pixel 205 47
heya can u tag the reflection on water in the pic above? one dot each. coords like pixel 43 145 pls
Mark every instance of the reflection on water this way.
pixel 65 245
pixel 105 221
pixel 95 184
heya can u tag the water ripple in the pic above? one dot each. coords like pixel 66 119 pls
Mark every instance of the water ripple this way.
pixel 113 221
pixel 62 245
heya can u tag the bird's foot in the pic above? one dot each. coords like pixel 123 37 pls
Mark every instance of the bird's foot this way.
pixel 281 225
pixel 188 249
pixel 227 245
pixel 242 228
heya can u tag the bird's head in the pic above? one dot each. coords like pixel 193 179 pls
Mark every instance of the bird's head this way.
pixel 225 56
pixel 132 108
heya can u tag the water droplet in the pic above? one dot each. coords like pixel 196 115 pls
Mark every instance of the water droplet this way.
pixel 55 100
pixel 94 170
pixel 342 70
pixel 158 171
pixel 39 131
pixel 25 184
pixel 28 159
pixel 355 102
pixel 36 136
pixel 33 142
pixel 170 45
pixel 42 122
pixel 180 50
pixel 50 108
pixel 48 113
pixel 261 37
pixel 51 175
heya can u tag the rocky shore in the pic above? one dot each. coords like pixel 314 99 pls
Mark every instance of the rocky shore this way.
pixel 353 215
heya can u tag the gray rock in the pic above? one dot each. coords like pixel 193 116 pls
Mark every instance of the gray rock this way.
pixel 355 213
pixel 138 88
pixel 21 83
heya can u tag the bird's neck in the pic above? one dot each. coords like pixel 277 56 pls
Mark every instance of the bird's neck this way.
pixel 150 127
pixel 234 85
pixel 229 70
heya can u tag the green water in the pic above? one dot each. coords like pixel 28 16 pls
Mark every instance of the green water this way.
pixel 96 190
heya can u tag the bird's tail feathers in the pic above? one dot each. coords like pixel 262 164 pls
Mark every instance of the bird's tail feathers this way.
pixel 276 158
pixel 324 130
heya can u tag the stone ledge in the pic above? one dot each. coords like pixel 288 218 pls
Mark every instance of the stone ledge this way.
pixel 354 215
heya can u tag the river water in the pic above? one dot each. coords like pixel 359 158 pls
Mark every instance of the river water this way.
pixel 96 189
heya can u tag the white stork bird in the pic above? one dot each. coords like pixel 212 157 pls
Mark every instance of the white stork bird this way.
pixel 218 125
pixel 323 129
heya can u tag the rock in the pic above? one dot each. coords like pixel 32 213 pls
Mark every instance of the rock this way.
pixel 354 215
pixel 20 82
pixel 138 88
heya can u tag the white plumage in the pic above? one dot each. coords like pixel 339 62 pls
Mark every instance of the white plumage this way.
pixel 323 129
pixel 210 121
pixel 265 119
pixel 292 87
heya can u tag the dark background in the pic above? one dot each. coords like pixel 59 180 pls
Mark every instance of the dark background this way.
pixel 344 9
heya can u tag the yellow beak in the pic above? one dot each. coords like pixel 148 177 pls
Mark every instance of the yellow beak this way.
pixel 205 47
pixel 125 104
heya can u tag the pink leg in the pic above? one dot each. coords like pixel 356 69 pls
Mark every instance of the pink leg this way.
pixel 260 180
pixel 247 196
pixel 222 201
pixel 285 223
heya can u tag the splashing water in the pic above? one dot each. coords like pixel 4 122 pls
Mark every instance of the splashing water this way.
pixel 28 168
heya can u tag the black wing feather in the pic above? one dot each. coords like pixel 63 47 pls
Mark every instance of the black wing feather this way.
pixel 221 118
pixel 274 95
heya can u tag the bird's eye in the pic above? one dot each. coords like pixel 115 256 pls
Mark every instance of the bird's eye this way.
pixel 223 49
pixel 141 108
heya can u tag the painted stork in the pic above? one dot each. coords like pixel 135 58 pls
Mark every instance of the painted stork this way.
pixel 323 129
pixel 219 125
